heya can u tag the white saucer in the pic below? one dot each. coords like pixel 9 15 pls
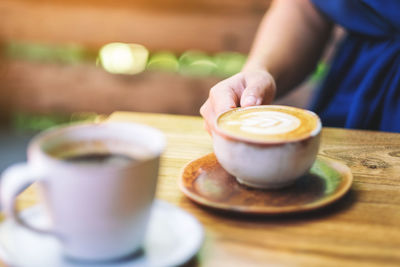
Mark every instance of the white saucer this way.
pixel 173 238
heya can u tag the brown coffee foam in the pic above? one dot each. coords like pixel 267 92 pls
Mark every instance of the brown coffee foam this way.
pixel 309 122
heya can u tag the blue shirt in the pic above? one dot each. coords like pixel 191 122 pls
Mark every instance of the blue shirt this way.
pixel 362 88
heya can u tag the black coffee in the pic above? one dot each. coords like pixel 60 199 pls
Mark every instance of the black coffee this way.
pixel 100 158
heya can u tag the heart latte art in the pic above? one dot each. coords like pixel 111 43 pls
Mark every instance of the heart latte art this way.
pixel 269 123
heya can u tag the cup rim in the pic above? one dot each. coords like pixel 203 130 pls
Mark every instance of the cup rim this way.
pixel 224 134
pixel 35 145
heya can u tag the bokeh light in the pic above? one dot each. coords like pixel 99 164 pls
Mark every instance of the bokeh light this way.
pixel 121 58
pixel 229 63
pixel 163 61
pixel 196 63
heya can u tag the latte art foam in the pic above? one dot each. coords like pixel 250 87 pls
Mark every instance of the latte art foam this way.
pixel 271 123
pixel 266 122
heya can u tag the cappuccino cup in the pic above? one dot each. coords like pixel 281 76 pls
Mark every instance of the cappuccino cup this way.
pixel 96 182
pixel 267 146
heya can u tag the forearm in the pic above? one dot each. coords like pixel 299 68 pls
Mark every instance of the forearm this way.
pixel 289 42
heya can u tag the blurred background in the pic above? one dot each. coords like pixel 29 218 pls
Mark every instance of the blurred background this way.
pixel 68 60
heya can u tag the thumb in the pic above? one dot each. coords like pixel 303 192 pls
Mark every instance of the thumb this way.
pixel 258 90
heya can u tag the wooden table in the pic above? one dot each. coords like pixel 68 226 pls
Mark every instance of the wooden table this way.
pixel 362 229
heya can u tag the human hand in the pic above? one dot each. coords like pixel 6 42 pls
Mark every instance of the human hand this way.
pixel 247 88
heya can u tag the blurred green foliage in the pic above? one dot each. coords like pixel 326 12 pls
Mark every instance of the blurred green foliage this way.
pixel 229 63
pixel 196 63
pixel 163 61
pixel 29 122
pixel 190 63
pixel 68 54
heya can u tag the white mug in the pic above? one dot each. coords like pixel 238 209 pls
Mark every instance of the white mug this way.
pixel 98 211
pixel 263 164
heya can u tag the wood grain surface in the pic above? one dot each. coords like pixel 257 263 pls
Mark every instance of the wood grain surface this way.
pixel 361 229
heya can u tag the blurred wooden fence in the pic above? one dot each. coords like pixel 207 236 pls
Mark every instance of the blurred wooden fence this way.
pixel 174 25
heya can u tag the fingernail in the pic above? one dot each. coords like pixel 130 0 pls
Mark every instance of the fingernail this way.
pixel 250 101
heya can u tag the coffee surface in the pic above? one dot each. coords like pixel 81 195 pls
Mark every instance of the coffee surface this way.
pixel 98 152
pixel 100 158
pixel 269 123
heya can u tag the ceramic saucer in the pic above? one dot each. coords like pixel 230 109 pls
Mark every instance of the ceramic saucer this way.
pixel 205 182
pixel 173 238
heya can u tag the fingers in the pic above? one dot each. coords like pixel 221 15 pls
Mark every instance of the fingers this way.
pixel 260 89
pixel 222 98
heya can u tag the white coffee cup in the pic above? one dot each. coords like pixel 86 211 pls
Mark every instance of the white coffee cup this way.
pixel 98 211
pixel 267 163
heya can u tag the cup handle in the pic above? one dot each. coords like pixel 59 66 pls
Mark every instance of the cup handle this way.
pixel 14 180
